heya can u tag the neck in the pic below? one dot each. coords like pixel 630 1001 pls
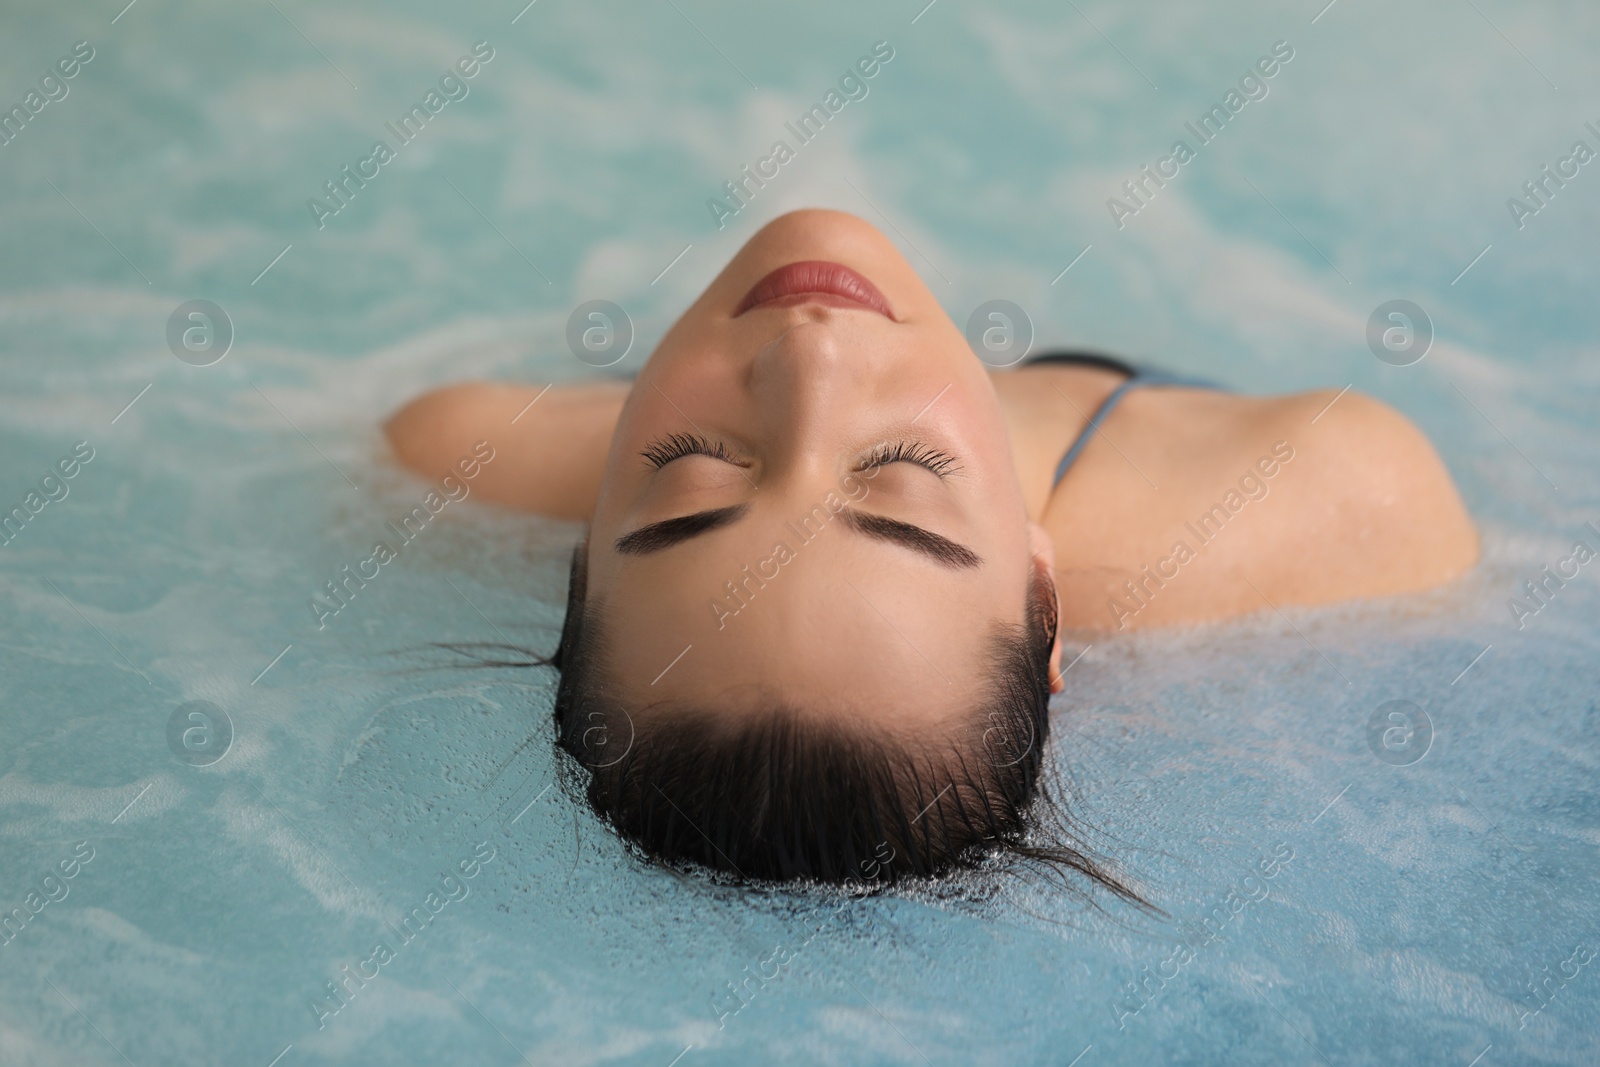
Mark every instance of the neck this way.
pixel 1045 407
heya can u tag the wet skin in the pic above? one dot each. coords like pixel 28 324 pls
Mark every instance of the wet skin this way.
pixel 928 479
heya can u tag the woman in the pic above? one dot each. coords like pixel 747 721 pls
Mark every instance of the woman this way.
pixel 812 630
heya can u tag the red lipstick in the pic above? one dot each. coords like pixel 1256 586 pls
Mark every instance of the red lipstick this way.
pixel 815 281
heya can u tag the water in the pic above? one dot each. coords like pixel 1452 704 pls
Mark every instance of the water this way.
pixel 1411 905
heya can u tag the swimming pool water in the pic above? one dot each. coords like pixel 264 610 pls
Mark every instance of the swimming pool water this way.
pixel 1344 887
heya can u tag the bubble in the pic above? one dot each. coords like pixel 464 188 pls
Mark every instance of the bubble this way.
pixel 1000 332
pixel 199 332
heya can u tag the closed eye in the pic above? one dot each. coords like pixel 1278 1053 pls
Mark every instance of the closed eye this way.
pixel 939 462
pixel 664 450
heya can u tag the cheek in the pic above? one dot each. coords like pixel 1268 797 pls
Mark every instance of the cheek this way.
pixel 975 427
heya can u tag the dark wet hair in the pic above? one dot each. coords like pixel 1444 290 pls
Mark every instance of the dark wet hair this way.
pixel 783 795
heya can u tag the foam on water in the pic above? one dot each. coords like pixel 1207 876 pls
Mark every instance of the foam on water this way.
pixel 1420 902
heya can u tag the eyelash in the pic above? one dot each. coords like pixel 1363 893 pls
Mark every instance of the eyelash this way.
pixel 675 446
pixel 940 463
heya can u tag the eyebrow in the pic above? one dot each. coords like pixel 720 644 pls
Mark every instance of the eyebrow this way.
pixel 940 549
pixel 669 532
pixel 658 536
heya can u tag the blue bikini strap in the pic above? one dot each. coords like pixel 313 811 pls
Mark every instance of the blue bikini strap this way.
pixel 1139 377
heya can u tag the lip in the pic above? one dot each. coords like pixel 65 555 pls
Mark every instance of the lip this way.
pixel 815 281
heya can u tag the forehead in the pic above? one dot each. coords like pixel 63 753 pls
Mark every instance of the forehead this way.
pixel 836 624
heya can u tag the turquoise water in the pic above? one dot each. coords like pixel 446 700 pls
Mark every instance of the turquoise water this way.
pixel 1327 905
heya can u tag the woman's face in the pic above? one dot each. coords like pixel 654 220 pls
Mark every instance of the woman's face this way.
pixel 809 499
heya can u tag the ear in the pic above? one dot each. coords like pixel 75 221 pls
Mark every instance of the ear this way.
pixel 1044 557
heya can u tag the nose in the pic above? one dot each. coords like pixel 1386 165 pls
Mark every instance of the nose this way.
pixel 805 381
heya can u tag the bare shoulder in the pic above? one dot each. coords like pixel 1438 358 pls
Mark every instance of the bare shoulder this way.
pixel 549 442
pixel 1212 505
pixel 1372 498
pixel 431 431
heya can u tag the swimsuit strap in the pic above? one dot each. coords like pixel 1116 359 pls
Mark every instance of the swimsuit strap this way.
pixel 1137 376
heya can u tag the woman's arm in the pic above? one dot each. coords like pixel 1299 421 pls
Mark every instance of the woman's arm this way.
pixel 550 449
